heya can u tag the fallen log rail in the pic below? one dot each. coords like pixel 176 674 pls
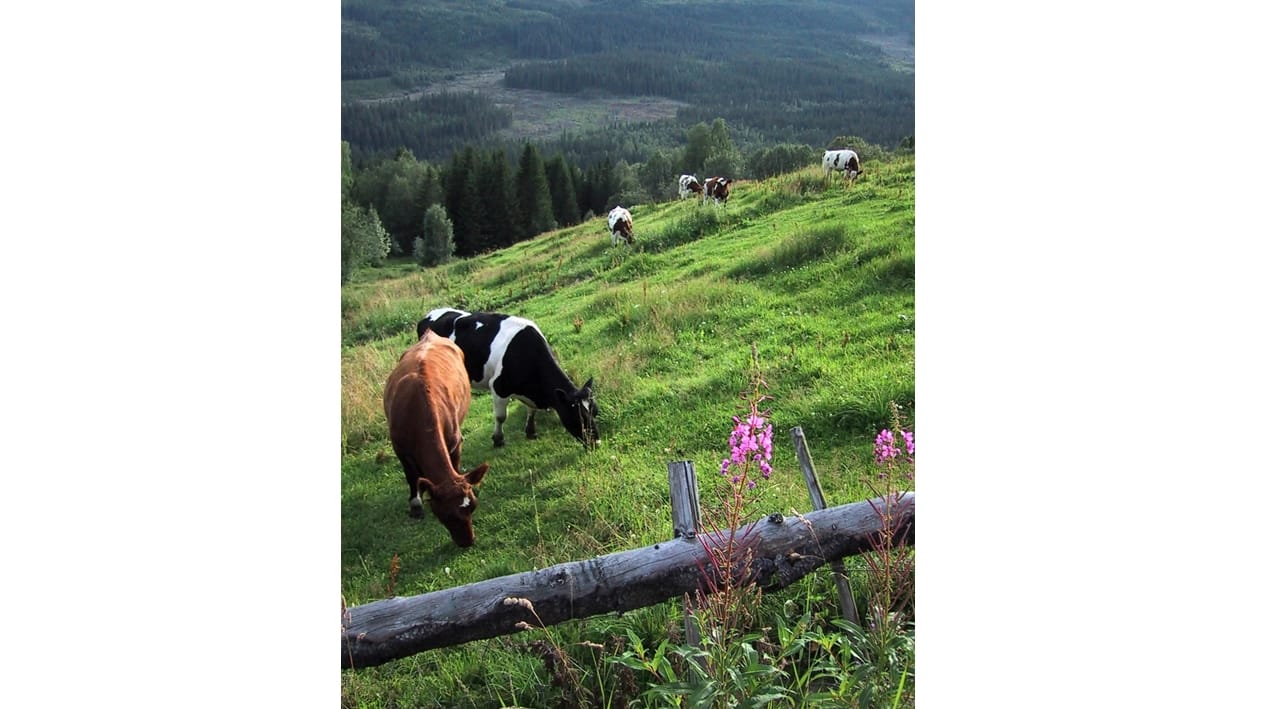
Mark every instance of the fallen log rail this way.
pixel 785 549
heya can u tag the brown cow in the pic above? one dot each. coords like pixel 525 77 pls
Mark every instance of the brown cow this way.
pixel 718 188
pixel 426 400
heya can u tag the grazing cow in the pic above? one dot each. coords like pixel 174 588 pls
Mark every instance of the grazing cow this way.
pixel 508 356
pixel 688 185
pixel 843 160
pixel 621 223
pixel 426 400
pixel 718 188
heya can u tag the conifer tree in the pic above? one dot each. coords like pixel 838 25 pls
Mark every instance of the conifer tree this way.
pixel 461 200
pixel 562 191
pixel 499 221
pixel 535 205
pixel 470 241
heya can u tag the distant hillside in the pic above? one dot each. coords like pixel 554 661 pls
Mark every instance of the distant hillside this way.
pixel 778 71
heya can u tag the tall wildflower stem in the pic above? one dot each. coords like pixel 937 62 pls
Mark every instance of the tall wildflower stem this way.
pixel 727 594
pixel 891 565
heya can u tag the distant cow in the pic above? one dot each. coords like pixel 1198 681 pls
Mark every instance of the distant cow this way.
pixel 717 188
pixel 426 400
pixel 621 223
pixel 843 160
pixel 687 186
pixel 508 356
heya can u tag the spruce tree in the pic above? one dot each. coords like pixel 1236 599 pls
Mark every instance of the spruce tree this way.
pixel 562 191
pixel 499 225
pixel 535 206
pixel 470 240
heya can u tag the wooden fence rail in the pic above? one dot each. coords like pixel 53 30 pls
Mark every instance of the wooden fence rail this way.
pixel 785 550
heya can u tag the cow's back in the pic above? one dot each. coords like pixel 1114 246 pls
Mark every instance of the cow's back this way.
pixel 427 395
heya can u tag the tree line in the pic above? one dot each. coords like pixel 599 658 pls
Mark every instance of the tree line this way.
pixel 491 198
pixel 487 198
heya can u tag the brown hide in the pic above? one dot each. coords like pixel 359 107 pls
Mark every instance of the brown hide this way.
pixel 426 400
pixel 718 188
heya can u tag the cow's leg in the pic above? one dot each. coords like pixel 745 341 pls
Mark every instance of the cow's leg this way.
pixel 455 453
pixel 499 407
pixel 530 431
pixel 411 475
pixel 415 502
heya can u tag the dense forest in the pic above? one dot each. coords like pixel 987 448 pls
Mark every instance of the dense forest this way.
pixel 776 71
pixel 763 88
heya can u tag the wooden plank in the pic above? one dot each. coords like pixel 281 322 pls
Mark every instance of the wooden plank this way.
pixel 848 607
pixel 785 550
pixel 683 493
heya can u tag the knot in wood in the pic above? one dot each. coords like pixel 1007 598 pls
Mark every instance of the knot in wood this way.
pixel 776 518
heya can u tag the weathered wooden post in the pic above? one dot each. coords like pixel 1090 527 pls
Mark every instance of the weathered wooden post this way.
pixel 847 606
pixel 683 493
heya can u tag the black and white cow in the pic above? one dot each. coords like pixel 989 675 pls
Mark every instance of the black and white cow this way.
pixel 621 224
pixel 843 160
pixel 509 356
pixel 718 188
pixel 688 186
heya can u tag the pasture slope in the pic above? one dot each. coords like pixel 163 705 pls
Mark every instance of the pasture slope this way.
pixel 820 277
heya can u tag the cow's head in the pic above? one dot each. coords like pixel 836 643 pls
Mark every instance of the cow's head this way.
pixel 441 320
pixel 579 413
pixel 854 167
pixel 722 190
pixel 454 506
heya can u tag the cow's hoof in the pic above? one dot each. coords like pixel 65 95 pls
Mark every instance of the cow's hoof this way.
pixel 531 435
pixel 416 513
pixel 498 442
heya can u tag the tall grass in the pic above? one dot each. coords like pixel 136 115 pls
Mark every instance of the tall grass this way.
pixel 819 278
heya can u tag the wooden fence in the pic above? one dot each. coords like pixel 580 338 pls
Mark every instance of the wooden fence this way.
pixel 784 548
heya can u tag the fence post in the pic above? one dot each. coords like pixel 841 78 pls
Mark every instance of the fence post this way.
pixel 683 492
pixel 847 606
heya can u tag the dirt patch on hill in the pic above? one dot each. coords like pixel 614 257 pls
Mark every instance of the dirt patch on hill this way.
pixel 542 114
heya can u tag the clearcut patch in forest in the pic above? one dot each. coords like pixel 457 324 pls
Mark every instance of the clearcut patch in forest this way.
pixel 544 114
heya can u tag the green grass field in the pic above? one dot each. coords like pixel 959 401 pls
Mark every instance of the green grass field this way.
pixel 820 278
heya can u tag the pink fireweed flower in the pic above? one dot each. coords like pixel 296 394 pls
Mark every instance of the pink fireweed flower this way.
pixel 885 449
pixel 909 436
pixel 751 441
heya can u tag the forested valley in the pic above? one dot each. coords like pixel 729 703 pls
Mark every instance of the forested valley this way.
pixel 764 87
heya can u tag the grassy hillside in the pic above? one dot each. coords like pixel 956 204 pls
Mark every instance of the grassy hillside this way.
pixel 818 277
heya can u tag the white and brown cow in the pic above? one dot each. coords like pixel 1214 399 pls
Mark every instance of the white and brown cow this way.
pixel 426 399
pixel 717 188
pixel 843 160
pixel 688 186
pixel 621 224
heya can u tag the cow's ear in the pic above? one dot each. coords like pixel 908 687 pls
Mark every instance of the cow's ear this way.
pixel 427 486
pixel 588 385
pixel 476 476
